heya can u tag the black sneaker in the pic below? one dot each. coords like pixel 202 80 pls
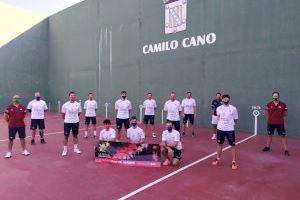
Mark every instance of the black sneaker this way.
pixel 32 142
pixel 286 152
pixel 266 149
pixel 43 141
pixel 193 134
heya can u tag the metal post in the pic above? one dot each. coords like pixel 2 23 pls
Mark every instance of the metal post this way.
pixel 106 110
pixel 255 114
pixel 58 104
pixel 141 112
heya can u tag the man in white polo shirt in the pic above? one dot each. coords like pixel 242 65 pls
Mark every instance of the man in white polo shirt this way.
pixel 189 110
pixel 70 113
pixel 135 134
pixel 90 107
pixel 173 109
pixel 37 108
pixel 149 107
pixel 123 108
pixel 108 133
pixel 171 145
pixel 228 117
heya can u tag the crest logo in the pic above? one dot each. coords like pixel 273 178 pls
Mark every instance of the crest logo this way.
pixel 175 15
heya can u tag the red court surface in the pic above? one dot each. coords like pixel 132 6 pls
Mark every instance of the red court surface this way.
pixel 45 174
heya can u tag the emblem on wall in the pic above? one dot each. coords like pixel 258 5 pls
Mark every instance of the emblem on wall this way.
pixel 175 15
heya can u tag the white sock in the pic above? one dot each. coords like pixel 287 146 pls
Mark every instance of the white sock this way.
pixel 95 133
pixel 75 146
pixel 65 148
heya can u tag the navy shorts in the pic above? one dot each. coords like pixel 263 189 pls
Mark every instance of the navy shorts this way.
pixel 119 123
pixel 88 120
pixel 230 137
pixel 37 123
pixel 177 153
pixel 71 126
pixel 279 127
pixel 149 118
pixel 176 125
pixel 188 117
pixel 12 132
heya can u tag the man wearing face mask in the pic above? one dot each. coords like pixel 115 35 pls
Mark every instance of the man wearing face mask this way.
pixel 228 117
pixel 135 134
pixel 171 145
pixel 276 111
pixel 123 108
pixel 37 108
pixel 14 116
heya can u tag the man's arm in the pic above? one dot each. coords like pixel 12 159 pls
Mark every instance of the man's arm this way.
pixel 6 117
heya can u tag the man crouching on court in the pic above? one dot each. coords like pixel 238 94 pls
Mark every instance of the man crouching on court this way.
pixel 14 116
pixel 171 145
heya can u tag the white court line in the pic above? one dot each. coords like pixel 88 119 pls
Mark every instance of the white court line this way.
pixel 53 133
pixel 177 171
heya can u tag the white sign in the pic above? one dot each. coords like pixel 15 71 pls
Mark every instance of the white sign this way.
pixel 194 41
pixel 175 16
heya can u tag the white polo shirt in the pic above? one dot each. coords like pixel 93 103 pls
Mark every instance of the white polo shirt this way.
pixel 226 115
pixel 90 107
pixel 107 135
pixel 188 105
pixel 37 109
pixel 123 107
pixel 171 137
pixel 135 134
pixel 149 105
pixel 71 111
pixel 172 108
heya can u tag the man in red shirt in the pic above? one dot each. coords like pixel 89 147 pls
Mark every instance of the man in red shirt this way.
pixel 276 111
pixel 14 116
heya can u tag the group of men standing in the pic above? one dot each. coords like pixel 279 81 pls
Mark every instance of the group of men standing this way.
pixel 224 118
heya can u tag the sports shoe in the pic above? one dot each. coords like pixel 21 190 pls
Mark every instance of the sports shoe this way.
pixel 193 134
pixel 64 153
pixel 216 162
pixel 95 135
pixel 85 135
pixel 166 162
pixel 213 137
pixel 286 152
pixel 76 150
pixel 266 149
pixel 183 133
pixel 233 165
pixel 8 155
pixel 43 141
pixel 154 135
pixel 32 142
pixel 25 153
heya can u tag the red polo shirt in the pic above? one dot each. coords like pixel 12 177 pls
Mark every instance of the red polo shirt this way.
pixel 276 112
pixel 16 115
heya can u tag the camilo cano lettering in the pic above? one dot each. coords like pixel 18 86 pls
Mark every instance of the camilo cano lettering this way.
pixel 200 40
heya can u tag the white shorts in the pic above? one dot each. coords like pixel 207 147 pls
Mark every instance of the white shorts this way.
pixel 214 120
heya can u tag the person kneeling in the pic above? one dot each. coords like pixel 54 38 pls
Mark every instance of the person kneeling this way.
pixel 171 145
pixel 135 134
pixel 107 134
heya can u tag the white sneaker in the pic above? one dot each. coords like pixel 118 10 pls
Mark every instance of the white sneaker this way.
pixel 154 135
pixel 25 153
pixel 85 135
pixel 64 153
pixel 76 150
pixel 214 137
pixel 8 155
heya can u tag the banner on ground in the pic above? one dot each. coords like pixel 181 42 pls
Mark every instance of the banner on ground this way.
pixel 146 155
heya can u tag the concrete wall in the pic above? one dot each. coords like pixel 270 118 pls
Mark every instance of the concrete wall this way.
pixel 96 46
pixel 24 65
